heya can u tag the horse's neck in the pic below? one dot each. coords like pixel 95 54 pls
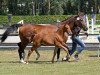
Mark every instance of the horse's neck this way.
pixel 62 23
pixel 69 21
pixel 71 24
pixel 61 31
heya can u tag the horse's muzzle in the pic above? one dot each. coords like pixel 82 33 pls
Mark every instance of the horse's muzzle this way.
pixel 85 28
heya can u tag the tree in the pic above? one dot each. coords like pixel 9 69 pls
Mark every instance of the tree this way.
pixel 48 7
pixel 3 7
pixel 12 6
pixel 56 8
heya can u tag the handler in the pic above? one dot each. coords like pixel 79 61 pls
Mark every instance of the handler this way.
pixel 76 41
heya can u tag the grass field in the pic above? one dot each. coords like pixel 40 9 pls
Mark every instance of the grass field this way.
pixel 89 64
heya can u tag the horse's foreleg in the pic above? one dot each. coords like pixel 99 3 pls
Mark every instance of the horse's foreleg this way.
pixel 65 47
pixel 54 54
pixel 38 55
pixel 68 55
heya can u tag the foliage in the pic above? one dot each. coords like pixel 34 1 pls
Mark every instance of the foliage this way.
pixel 48 7
pixel 40 19
pixel 35 19
pixel 56 8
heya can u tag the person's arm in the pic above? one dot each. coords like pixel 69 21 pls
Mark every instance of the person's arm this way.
pixel 84 32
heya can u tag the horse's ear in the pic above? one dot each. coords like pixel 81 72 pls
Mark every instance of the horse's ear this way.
pixel 67 26
pixel 80 14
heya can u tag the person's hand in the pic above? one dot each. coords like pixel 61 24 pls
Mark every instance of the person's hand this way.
pixel 70 37
pixel 86 34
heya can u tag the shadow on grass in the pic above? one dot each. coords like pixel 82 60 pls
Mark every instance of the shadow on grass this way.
pixel 93 55
pixel 38 62
pixel 49 62
pixel 30 62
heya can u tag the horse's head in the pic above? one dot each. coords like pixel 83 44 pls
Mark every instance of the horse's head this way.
pixel 80 22
pixel 67 29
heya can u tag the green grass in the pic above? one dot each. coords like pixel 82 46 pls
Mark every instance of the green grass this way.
pixel 89 64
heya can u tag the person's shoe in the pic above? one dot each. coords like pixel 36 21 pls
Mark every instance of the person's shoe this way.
pixel 76 57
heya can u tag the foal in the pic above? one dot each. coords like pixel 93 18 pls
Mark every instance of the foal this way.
pixel 51 38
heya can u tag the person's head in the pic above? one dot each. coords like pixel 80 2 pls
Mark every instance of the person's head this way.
pixel 80 22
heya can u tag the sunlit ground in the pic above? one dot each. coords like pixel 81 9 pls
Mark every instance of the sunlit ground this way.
pixel 89 64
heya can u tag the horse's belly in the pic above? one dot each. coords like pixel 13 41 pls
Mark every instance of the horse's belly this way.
pixel 47 44
pixel 48 41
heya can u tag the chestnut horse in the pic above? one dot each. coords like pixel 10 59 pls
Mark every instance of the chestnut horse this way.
pixel 28 31
pixel 50 38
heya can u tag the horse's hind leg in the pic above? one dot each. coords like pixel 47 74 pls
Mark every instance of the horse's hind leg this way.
pixel 38 55
pixel 54 54
pixel 58 54
pixel 21 51
pixel 29 53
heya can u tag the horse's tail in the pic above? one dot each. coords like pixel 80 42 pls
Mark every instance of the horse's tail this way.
pixel 9 30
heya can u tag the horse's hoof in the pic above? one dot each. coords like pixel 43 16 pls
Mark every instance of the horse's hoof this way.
pixel 26 63
pixel 38 57
pixel 65 59
pixel 22 61
pixel 52 61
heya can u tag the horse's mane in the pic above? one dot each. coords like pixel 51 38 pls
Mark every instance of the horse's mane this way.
pixel 68 20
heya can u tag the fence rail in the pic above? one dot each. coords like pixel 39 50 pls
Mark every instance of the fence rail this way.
pixel 91 42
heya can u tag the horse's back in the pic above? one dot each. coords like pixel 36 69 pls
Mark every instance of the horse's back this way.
pixel 30 30
pixel 38 28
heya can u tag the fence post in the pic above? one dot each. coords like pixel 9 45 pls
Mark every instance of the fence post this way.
pixel 9 19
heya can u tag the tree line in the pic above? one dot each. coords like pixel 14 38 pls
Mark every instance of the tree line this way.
pixel 48 7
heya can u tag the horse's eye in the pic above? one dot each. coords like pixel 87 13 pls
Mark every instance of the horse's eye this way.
pixel 81 19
